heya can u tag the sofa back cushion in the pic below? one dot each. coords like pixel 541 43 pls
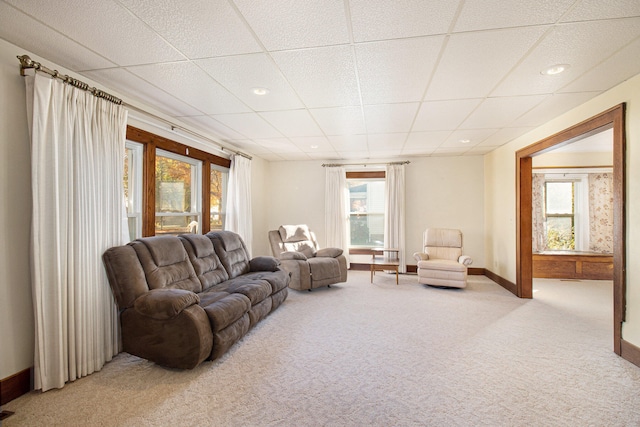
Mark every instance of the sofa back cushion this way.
pixel 298 238
pixel 125 274
pixel 166 264
pixel 206 263
pixel 232 252
pixel 443 243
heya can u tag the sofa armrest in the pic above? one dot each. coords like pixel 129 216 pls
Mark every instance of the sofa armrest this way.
pixel 162 304
pixel 293 255
pixel 420 256
pixel 264 263
pixel 465 259
pixel 329 252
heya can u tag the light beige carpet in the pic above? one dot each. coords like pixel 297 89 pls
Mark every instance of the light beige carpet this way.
pixel 381 355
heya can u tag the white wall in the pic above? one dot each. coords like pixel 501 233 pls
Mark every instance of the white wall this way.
pixel 500 193
pixel 16 313
pixel 440 192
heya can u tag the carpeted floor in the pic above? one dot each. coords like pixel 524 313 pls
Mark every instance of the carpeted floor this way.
pixel 362 354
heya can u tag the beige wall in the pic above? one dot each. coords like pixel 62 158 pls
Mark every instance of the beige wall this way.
pixel 440 192
pixel 500 193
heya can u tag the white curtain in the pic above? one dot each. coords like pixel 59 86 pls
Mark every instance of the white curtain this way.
pixel 394 212
pixel 336 212
pixel 239 218
pixel 77 160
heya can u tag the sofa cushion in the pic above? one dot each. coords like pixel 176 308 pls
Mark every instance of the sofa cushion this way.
pixel 277 279
pixel 264 263
pixel 232 252
pixel 305 247
pixel 227 310
pixel 166 264
pixel 206 263
pixel 254 289
pixel 165 303
pixel 329 252
pixel 442 264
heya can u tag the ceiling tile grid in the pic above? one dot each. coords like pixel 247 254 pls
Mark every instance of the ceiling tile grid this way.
pixel 341 79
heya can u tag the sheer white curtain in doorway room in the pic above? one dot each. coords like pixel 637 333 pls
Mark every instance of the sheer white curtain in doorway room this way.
pixel 239 217
pixel 336 211
pixel 77 160
pixel 394 212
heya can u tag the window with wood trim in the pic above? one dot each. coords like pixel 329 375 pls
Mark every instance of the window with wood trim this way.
pixel 366 208
pixel 170 186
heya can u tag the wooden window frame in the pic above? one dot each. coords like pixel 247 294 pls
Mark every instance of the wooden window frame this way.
pixel 364 175
pixel 150 143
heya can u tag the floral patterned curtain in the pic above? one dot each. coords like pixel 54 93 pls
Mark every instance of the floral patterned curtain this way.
pixel 601 212
pixel 537 203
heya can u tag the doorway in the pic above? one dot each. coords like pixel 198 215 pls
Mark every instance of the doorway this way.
pixel 613 119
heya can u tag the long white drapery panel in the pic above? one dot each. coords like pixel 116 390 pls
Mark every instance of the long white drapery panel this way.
pixel 336 212
pixel 239 219
pixel 394 212
pixel 77 158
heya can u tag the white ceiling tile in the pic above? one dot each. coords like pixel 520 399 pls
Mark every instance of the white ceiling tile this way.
pixel 295 156
pixel 426 140
pixel 348 142
pixel 310 144
pixel 503 136
pixel 581 45
pixel 390 118
pixel 283 24
pixel 212 126
pixel 251 146
pixel 242 73
pixel 444 115
pixel 199 90
pixel 322 77
pixel 271 157
pixel 552 107
pixel 43 41
pixel 474 136
pixel 386 141
pixel 323 155
pixel 476 151
pixel 385 154
pixel 137 88
pixel 448 151
pixel 486 14
pixel 500 112
pixel 587 10
pixel 618 68
pixel 396 70
pixel 417 152
pixel 473 63
pixel 354 155
pixel 392 19
pixel 293 123
pixel 278 145
pixel 250 125
pixel 104 27
pixel 340 121
pixel 198 29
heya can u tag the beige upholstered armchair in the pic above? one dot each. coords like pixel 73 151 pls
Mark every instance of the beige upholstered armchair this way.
pixel 310 267
pixel 442 262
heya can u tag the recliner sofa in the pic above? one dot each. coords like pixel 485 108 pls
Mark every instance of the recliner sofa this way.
pixel 186 299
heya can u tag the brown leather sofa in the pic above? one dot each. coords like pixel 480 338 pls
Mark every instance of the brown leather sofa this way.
pixel 186 299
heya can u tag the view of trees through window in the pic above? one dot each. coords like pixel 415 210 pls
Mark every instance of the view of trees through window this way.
pixel 559 213
pixel 218 179
pixel 366 201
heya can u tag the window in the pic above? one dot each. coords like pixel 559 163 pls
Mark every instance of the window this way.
pixel 217 196
pixel 178 194
pixel 559 213
pixel 366 211
pixel 133 187
pixel 169 187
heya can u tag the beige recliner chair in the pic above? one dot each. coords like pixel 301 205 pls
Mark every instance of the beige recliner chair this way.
pixel 442 262
pixel 310 267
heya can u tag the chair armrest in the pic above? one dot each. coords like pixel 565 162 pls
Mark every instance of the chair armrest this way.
pixel 264 263
pixel 465 259
pixel 163 304
pixel 329 252
pixel 420 256
pixel 292 255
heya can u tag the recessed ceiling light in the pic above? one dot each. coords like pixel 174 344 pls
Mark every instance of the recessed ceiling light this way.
pixel 555 69
pixel 465 141
pixel 314 146
pixel 260 91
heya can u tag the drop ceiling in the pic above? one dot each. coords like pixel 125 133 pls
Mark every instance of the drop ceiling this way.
pixel 347 79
